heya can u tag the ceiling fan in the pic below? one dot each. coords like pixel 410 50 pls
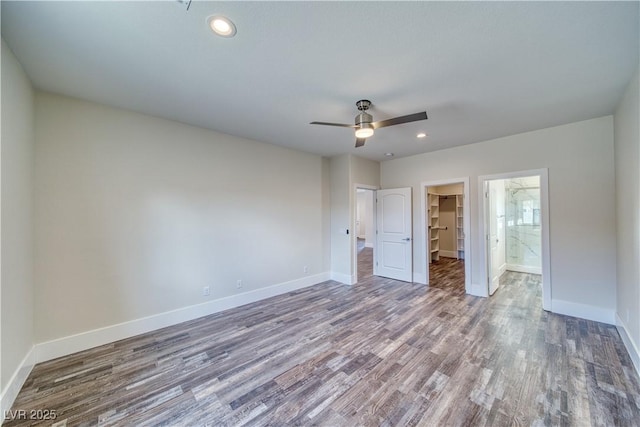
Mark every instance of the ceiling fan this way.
pixel 365 125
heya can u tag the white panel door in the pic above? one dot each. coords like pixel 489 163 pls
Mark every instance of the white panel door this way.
pixel 394 253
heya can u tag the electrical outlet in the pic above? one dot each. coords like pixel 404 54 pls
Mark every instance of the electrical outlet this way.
pixel 239 284
pixel 206 291
pixel 305 269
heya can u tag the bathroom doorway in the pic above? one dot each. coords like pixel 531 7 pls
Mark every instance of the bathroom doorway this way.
pixel 515 227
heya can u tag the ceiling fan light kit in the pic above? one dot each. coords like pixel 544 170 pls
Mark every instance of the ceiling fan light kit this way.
pixel 365 130
pixel 365 126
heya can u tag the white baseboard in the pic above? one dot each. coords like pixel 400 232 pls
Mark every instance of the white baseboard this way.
pixel 17 381
pixel 419 278
pixel 448 254
pixel 583 311
pixel 502 269
pixel 524 269
pixel 345 279
pixel 86 340
pixel 632 347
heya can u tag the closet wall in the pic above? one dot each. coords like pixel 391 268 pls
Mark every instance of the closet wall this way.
pixel 448 239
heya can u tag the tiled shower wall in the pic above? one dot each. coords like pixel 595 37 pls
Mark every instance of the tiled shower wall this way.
pixel 523 224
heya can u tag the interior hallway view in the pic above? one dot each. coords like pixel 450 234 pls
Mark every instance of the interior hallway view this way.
pixel 365 261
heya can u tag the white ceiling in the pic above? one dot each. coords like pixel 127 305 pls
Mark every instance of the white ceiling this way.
pixel 481 70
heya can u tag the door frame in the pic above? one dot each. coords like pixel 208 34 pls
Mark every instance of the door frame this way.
pixel 354 237
pixel 544 223
pixel 466 224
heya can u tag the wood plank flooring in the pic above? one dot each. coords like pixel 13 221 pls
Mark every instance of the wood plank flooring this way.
pixel 381 352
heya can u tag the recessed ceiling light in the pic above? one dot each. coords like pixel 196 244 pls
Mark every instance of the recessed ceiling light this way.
pixel 388 154
pixel 222 26
pixel 421 135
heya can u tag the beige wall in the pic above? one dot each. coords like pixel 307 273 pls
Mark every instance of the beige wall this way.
pixel 366 172
pixel 627 161
pixel 340 172
pixel 326 214
pixel 579 157
pixel 135 215
pixel 16 291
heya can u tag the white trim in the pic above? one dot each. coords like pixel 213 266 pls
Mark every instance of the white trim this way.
pixel 479 290
pixel 502 269
pixel 547 291
pixel 524 269
pixel 632 347
pixel 448 254
pixel 544 224
pixel 466 227
pixel 16 382
pixel 345 279
pixel 583 311
pixel 86 340
pixel 419 278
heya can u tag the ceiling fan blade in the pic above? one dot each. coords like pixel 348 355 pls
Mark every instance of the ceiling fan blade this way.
pixel 333 124
pixel 400 120
pixel 360 142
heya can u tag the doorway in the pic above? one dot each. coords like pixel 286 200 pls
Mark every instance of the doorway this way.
pixel 515 226
pixel 446 249
pixel 365 233
pixel 390 220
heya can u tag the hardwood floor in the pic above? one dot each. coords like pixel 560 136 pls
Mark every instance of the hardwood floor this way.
pixel 448 274
pixel 379 353
pixel 365 261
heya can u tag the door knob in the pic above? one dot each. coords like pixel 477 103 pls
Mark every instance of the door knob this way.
pixel 407 239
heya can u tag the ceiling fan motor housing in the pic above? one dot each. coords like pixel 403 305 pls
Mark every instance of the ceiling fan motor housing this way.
pixel 363 118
